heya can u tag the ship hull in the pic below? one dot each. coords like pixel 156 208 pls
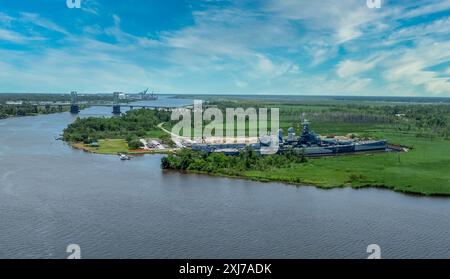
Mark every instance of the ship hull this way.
pixel 376 145
pixel 350 148
pixel 347 148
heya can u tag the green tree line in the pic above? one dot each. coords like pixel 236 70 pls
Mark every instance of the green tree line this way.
pixel 248 159
pixel 130 126
pixel 26 110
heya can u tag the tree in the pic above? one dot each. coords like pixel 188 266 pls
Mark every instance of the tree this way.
pixel 135 144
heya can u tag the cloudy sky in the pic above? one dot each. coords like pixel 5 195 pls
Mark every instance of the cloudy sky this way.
pixel 235 47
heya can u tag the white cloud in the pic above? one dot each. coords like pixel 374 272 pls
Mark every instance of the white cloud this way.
pixel 116 19
pixel 69 69
pixel 91 6
pixel 11 36
pixel 5 19
pixel 42 22
pixel 418 32
pixel 343 21
pixel 349 68
pixel 412 67
pixel 241 84
pixel 425 7
pixel 294 69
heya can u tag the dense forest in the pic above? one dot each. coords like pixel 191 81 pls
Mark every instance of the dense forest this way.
pixel 248 159
pixel 130 126
pixel 26 110
pixel 422 119
pixel 299 99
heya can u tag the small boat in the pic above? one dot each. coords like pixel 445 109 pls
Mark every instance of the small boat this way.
pixel 124 157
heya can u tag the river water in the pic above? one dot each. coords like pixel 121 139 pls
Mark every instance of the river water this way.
pixel 52 195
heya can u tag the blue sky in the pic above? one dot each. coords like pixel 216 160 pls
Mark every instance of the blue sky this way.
pixel 227 47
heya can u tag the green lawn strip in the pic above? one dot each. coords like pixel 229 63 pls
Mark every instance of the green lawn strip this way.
pixel 422 170
pixel 108 146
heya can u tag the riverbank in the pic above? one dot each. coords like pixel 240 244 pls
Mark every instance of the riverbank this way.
pixel 27 114
pixel 114 147
pixel 423 170
pixel 264 179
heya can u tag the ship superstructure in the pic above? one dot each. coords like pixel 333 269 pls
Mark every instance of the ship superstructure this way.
pixel 308 142
pixel 314 144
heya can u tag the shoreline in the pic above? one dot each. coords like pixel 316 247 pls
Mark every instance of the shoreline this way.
pixel 83 147
pixel 320 185
pixel 30 115
pixel 323 187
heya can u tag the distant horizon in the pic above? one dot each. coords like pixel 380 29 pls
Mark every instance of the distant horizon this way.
pixel 241 94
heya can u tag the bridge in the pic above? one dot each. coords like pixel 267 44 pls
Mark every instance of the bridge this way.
pixel 116 105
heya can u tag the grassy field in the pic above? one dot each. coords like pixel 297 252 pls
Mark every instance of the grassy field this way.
pixel 107 146
pixel 422 170
pixel 115 146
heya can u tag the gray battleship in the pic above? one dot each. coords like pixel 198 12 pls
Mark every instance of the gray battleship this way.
pixel 313 144
pixel 308 142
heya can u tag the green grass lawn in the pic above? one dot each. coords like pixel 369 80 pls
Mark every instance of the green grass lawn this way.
pixel 109 146
pixel 424 169
pixel 157 133
pixel 114 146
